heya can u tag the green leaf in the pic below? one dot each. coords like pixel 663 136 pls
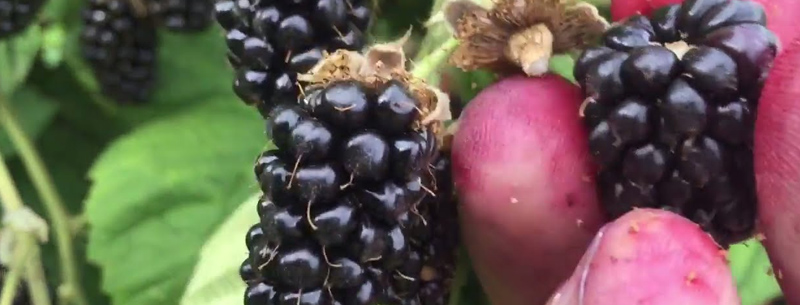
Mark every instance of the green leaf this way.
pixel 161 190
pixel 17 56
pixel 216 278
pixel 563 65
pixel 751 269
pixel 33 110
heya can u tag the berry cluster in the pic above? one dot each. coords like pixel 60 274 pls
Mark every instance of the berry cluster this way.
pixel 270 42
pixel 670 104
pixel 119 42
pixel 182 15
pixel 358 214
pixel 17 15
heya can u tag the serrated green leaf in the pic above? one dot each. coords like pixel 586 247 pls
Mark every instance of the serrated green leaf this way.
pixel 751 269
pixel 17 56
pixel 33 110
pixel 161 190
pixel 216 278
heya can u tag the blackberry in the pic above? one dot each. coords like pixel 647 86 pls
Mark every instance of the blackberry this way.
pixel 119 42
pixel 339 222
pixel 670 106
pixel 270 42
pixel 17 15
pixel 184 16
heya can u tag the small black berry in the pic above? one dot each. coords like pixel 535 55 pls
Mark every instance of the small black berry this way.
pixel 366 156
pixel 317 183
pixel 301 267
pixel 396 109
pixel 260 294
pixel 345 273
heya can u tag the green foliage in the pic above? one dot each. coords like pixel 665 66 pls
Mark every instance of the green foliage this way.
pixel 34 110
pixel 751 268
pixel 17 55
pixel 162 189
pixel 216 280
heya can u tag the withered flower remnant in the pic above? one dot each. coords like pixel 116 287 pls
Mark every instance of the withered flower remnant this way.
pixel 520 34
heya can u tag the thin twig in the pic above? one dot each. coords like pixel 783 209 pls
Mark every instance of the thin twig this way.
pixel 37 283
pixel 14 274
pixel 52 201
pixel 426 67
pixel 12 202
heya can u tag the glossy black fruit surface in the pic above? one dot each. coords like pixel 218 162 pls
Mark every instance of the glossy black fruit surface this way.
pixel 285 38
pixel 120 47
pixel 357 200
pixel 670 106
pixel 366 156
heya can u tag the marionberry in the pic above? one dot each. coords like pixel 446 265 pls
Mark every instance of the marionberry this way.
pixel 670 101
pixel 119 43
pixel 275 39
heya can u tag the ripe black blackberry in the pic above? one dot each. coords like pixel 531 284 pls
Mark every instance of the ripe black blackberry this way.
pixel 271 41
pixel 670 104
pixel 17 15
pixel 357 199
pixel 184 16
pixel 119 42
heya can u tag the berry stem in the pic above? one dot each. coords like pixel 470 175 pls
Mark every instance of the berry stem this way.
pixel 463 269
pixel 26 258
pixel 37 283
pixel 53 204
pixel 429 64
pixel 18 264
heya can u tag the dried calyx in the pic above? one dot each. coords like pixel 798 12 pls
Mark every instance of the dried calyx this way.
pixel 521 34
pixel 374 68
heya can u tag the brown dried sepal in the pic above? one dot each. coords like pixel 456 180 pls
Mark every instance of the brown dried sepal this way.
pixel 520 34
pixel 374 68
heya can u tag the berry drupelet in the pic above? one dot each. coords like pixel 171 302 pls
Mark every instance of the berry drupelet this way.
pixel 357 205
pixel 184 16
pixel 17 15
pixel 270 42
pixel 670 105
pixel 119 42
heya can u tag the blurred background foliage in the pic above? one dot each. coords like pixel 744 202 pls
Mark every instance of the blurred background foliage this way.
pixel 149 185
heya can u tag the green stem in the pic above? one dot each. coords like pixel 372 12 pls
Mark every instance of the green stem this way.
pixel 429 64
pixel 37 283
pixel 12 202
pixel 52 203
pixel 460 278
pixel 13 277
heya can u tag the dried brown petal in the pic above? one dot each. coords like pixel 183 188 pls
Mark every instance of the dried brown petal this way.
pixel 375 68
pixel 522 34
